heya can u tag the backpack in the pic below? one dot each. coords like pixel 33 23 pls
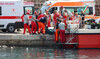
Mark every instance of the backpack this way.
pixel 49 31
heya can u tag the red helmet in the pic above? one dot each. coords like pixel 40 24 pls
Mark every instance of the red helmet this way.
pixel 35 12
pixel 28 12
pixel 61 6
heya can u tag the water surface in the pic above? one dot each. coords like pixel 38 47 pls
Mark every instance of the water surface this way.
pixel 47 53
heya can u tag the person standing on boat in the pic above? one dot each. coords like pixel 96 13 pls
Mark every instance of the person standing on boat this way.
pixel 68 13
pixel 62 31
pixel 82 15
pixel 56 28
pixel 65 17
pixel 77 17
pixel 55 21
pixel 73 17
pixel 56 16
pixel 61 10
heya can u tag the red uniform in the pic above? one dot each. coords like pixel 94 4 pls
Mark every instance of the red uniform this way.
pixel 40 16
pixel 62 36
pixel 65 21
pixel 55 17
pixel 55 22
pixel 49 25
pixel 41 26
pixel 73 18
pixel 34 26
pixel 28 27
pixel 56 35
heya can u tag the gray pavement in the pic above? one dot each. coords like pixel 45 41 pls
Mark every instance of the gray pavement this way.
pixel 15 33
pixel 17 38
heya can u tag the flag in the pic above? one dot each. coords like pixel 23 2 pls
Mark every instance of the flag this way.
pixel 85 8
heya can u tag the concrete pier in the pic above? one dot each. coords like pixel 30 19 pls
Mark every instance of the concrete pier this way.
pixel 26 40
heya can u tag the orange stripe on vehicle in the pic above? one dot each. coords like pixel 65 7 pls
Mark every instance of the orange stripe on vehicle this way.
pixel 49 4
pixel 67 4
pixel 89 17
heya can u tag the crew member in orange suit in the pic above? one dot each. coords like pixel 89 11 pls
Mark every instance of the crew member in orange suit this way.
pixel 41 23
pixel 56 32
pixel 56 22
pixel 26 22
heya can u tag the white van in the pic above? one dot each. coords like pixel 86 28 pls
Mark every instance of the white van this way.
pixel 71 5
pixel 11 12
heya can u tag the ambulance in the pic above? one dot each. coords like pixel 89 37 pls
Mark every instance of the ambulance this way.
pixel 71 5
pixel 11 12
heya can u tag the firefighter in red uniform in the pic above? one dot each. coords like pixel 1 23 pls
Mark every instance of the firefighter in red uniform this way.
pixel 26 22
pixel 61 27
pixel 34 25
pixel 40 16
pixel 49 20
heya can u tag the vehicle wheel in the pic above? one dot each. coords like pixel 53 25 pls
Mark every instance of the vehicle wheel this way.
pixel 11 28
pixel 4 30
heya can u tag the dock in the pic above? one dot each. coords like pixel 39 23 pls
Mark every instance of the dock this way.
pixel 26 40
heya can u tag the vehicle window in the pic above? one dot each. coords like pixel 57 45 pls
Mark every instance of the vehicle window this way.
pixel 89 10
pixel 0 11
pixel 69 9
pixel 43 8
pixel 52 9
pixel 29 8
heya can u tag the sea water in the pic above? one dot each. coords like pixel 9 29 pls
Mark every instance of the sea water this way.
pixel 47 53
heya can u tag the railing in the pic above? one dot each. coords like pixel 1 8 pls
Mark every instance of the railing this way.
pixel 72 34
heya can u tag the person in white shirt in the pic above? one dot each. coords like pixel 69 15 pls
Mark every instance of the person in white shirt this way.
pixel 61 27
pixel 26 23
pixel 77 17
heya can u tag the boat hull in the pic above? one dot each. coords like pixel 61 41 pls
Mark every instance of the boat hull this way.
pixel 89 40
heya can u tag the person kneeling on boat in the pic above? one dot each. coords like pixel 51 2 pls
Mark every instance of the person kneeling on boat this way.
pixel 61 27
